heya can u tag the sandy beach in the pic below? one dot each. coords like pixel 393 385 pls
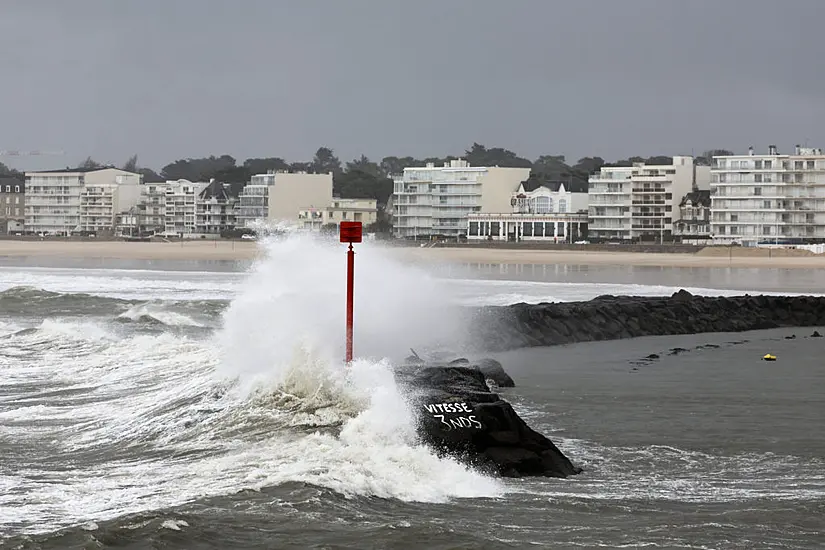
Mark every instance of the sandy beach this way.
pixel 249 250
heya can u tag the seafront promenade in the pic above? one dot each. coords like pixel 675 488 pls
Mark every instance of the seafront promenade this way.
pixel 242 250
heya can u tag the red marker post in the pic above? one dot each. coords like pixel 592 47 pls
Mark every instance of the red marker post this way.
pixel 350 232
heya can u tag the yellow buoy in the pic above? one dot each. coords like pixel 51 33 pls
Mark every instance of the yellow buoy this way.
pixel 769 357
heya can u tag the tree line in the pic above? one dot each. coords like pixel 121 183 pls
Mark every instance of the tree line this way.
pixel 365 178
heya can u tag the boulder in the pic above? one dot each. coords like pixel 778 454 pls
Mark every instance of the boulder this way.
pixel 459 416
pixel 493 370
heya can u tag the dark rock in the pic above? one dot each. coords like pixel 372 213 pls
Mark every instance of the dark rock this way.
pixel 816 334
pixel 498 328
pixel 677 351
pixel 459 416
pixel 791 337
pixel 493 370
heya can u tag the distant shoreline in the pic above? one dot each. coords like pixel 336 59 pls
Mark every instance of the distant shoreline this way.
pixel 228 251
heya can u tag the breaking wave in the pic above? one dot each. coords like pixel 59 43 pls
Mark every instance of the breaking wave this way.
pixel 100 421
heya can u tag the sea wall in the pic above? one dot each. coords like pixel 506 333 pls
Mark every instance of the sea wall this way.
pixel 616 317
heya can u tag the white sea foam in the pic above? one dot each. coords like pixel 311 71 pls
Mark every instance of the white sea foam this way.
pixel 163 419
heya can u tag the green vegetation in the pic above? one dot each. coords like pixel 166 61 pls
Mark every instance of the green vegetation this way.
pixel 365 178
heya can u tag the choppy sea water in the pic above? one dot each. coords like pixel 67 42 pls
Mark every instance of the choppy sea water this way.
pixel 197 409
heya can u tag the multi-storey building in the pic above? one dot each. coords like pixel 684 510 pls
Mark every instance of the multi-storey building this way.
pixel 772 198
pixel 359 210
pixel 549 213
pixel 280 196
pixel 253 204
pixel 185 209
pixel 180 211
pixel 638 202
pixel 432 200
pixel 151 208
pixel 79 200
pixel 11 205
pixel 215 210
pixel 693 222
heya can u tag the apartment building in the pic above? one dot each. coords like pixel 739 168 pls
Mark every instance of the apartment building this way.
pixel 549 213
pixel 170 207
pixel 638 202
pixel 11 205
pixel 769 198
pixel 278 197
pixel 432 200
pixel 359 210
pixel 214 210
pixel 78 200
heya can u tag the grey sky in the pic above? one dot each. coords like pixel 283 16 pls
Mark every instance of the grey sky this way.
pixel 168 79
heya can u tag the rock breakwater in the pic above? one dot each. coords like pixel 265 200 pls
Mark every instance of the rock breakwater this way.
pixel 616 317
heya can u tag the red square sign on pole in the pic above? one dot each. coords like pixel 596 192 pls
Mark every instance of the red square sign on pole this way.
pixel 350 232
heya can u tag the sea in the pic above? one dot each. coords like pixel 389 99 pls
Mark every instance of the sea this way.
pixel 206 405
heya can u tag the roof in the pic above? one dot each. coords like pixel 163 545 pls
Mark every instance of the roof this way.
pixel 572 185
pixel 215 190
pixel 6 180
pixel 73 170
pixel 698 198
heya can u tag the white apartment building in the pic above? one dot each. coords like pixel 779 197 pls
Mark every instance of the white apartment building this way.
pixel 186 209
pixel 170 207
pixel 639 202
pixel 769 198
pixel 79 200
pixel 432 200
pixel 280 196
pixel 546 213
pixel 214 210
pixel 358 210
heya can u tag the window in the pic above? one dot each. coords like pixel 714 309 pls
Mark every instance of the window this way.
pixel 757 191
pixel 766 204
pixel 809 165
pixel 734 217
pixel 757 164
pixel 562 205
pixel 768 164
pixel 757 178
pixel 16 188
pixel 543 205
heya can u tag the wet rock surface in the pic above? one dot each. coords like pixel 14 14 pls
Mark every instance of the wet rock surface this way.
pixel 615 317
pixel 459 416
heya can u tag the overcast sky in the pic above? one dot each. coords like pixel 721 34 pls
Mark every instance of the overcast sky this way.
pixel 168 79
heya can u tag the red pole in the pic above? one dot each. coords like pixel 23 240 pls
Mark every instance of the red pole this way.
pixel 350 288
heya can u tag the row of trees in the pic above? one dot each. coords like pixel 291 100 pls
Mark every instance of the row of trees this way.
pixel 363 177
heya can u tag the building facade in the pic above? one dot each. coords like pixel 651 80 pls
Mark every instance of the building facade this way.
pixel 434 200
pixel 278 197
pixel 638 203
pixel 79 200
pixel 359 210
pixel 12 206
pixel 549 214
pixel 214 210
pixel 769 198
pixel 694 216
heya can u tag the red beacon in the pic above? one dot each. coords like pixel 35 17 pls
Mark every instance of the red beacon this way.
pixel 350 232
